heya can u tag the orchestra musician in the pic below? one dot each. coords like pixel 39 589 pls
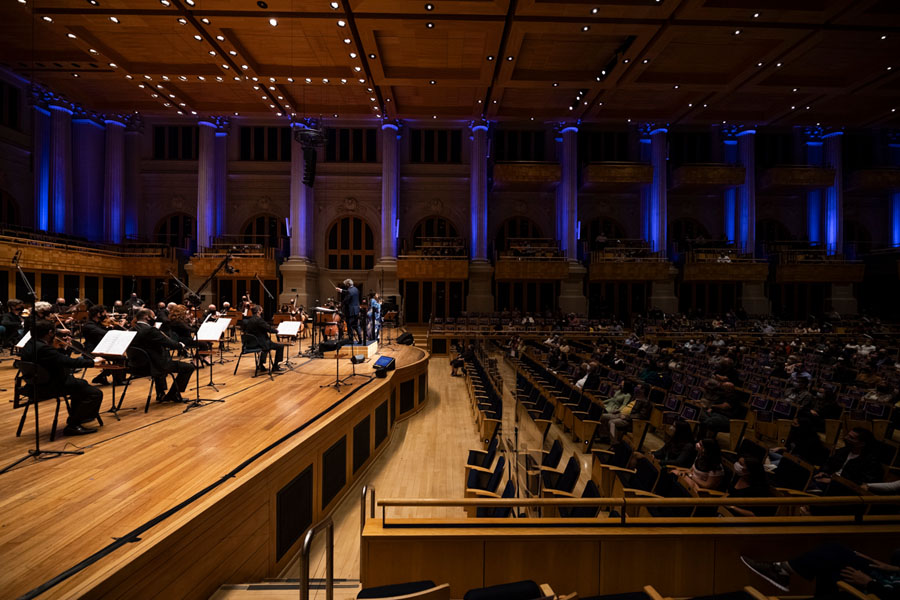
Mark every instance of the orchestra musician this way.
pixel 256 326
pixel 245 306
pixel 350 308
pixel 85 398
pixel 155 344
pixel 93 330
pixel 211 313
pixel 44 310
pixel 60 307
pixel 11 322
pixel 183 329
pixel 374 315
pixel 133 303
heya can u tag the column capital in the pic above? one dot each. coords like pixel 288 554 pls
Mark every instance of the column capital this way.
pixel 648 129
pixel 44 99
pixel 731 133
pixel 134 123
pixel 394 124
pixel 482 124
pixel 893 137
pixel 219 123
pixel 566 127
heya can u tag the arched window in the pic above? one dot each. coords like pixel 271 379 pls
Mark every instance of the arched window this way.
pixel 266 230
pixel 9 210
pixel 516 227
pixel 432 227
pixel 350 244
pixel 772 230
pixel 610 228
pixel 687 230
pixel 176 229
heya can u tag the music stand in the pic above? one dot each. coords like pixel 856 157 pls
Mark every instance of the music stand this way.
pixel 36 451
pixel 210 332
pixel 113 345
pixel 391 317
pixel 338 382
pixel 290 330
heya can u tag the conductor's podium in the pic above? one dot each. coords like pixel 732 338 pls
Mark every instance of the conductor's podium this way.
pixel 348 350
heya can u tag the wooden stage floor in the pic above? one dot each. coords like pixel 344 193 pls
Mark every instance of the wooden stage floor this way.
pixel 57 512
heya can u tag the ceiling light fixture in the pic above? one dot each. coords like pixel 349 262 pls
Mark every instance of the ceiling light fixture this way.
pixel 586 28
pixel 232 52
pixel 334 5
pixel 92 51
pixel 509 57
pixel 490 58
pixel 594 11
pixel 777 65
pixel 273 22
pixel 114 20
pixel 113 65
pixel 198 37
pixel 212 52
pixel 221 38
pixel 353 55
pixel 189 2
pixel 737 32
pixel 341 23
pixel 347 40
pixel 645 61
pixel 182 21
pixel 74 74
pixel 432 82
pixel 205 21
pixel 372 56
pixel 429 25
pixel 70 36
pixel 164 2
pixel 48 19
pixel 129 77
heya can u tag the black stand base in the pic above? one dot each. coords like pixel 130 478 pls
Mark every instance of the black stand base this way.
pixel 38 453
pixel 198 401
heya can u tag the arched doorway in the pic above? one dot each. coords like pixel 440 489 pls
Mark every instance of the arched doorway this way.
pixel 176 229
pixel 266 230
pixel 516 227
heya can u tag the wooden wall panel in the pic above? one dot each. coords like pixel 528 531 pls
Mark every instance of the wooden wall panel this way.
pixel 567 565
pixel 460 562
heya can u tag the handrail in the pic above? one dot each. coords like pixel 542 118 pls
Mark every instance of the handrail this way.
pixel 328 526
pixel 718 501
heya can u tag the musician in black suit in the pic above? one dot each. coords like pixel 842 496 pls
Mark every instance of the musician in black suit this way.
pixel 350 308
pixel 155 344
pixel 85 400
pixel 93 331
pixel 257 327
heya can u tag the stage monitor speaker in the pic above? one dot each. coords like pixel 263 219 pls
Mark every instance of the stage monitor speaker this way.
pixel 383 365
pixel 406 339
pixel 358 359
pixel 330 345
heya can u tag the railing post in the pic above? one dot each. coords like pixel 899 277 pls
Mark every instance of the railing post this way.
pixel 328 525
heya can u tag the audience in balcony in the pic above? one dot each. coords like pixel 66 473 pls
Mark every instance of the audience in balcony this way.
pixel 707 471
pixel 751 481
pixel 680 450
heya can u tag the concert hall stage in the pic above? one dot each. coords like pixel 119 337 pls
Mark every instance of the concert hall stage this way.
pixel 172 504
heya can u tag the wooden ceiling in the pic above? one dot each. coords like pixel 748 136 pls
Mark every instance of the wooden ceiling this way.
pixel 692 62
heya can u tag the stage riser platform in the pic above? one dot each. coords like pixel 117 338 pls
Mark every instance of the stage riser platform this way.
pixel 368 351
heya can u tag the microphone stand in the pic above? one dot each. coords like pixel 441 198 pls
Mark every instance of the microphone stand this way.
pixel 36 451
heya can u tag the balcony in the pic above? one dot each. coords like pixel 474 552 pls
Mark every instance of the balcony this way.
pixel 813 265
pixel 526 176
pixel 531 259
pixel 627 260
pixel 886 179
pixel 433 258
pixel 616 177
pixel 795 179
pixel 706 177
pixel 723 265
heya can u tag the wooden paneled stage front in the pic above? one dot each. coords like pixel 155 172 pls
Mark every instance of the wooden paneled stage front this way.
pixel 172 504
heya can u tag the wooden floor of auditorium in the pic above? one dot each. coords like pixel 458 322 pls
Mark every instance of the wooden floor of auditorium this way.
pixel 58 511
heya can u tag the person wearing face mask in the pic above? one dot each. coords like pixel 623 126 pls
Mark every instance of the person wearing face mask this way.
pixel 751 482
pixel 857 460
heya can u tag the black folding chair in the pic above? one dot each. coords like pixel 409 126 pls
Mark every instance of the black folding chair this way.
pixel 138 366
pixel 31 380
pixel 250 344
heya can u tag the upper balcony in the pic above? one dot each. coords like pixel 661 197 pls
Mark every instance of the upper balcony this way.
pixel 626 260
pixel 723 264
pixel 794 179
pixel 883 179
pixel 526 176
pixel 613 177
pixel 530 259
pixel 439 258
pixel 705 177
pixel 812 264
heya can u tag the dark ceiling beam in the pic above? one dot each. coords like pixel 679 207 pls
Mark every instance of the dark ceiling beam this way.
pixel 500 56
pixel 362 55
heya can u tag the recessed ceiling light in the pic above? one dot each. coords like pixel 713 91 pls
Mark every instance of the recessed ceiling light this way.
pixel 129 77
pixel 704 106
pixel 755 15
pixel 308 80
pixel 372 56
pixel 357 69
pixel 164 2
pixel 889 68
pixel 193 112
pixel 182 21
pixel 676 86
pixel 74 74
pixel 626 61
pixel 737 32
pixel 586 28
pixel 70 36
pixel 205 21
pixel 759 64
pixel 113 65
pixel 778 65
pixel 555 84
pixel 182 77
pixel 290 80
pixel 884 37
pixel 387 99
pixel 232 52
pixel 571 108
pixel 429 6
pixel 432 82
pixel 372 98
pixel 224 66
pixel 594 11
pixel 273 22
pixel 235 114
pixel 341 23
pixel 495 102
pixel 92 51
pixel 189 2
pixel 23 1
pixel 362 80
pixel 221 38
pixel 198 37
pixel 147 77
pixel 212 52
pixel 114 19
pixel 645 61
pixel 347 40
pixel 334 5
pixel 353 55
pixel 490 58
pixel 324 80
pixel 479 102
pixel 509 58
pixel 48 19
pixel 434 117
pixel 793 107
pixel 690 104
pixel 429 25
pixel 244 67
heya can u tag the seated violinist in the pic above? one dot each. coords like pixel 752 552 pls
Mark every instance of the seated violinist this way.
pixel 85 399
pixel 94 330
pixel 156 345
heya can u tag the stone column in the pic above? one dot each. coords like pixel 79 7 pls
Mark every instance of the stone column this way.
pixel 662 291
pixel 87 177
pixel 206 185
pixel 386 267
pixel 132 200
pixel 746 193
pixel 813 141
pixel 571 290
pixel 299 272
pixel 730 148
pixel 221 177
pixel 41 168
pixel 114 183
pixel 834 195
pixel 480 297
pixel 60 168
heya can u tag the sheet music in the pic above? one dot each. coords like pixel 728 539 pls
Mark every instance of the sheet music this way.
pixel 209 332
pixel 24 340
pixel 114 343
pixel 291 328
pixel 223 324
pixel 158 324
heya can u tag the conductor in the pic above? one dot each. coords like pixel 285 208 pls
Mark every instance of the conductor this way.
pixel 350 308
